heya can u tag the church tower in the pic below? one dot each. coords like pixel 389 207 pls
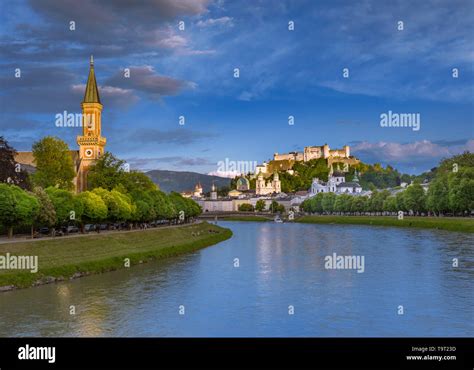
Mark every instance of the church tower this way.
pixel 276 183
pixel 91 143
pixel 213 192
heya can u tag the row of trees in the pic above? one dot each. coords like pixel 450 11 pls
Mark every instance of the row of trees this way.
pixel 260 206
pixel 54 207
pixel 411 199
pixel 370 176
pixel 448 193
pixel 116 194
pixel 452 185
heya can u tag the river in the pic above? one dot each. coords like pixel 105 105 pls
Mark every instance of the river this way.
pixel 279 286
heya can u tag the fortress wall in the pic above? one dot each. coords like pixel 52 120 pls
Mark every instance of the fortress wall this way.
pixel 284 157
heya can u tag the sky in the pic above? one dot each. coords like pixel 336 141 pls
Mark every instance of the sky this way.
pixel 400 57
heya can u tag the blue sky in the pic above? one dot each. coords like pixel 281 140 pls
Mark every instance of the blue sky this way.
pixel 190 73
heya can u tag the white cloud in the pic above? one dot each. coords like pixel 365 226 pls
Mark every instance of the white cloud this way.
pixel 228 174
pixel 407 153
pixel 115 96
pixel 216 21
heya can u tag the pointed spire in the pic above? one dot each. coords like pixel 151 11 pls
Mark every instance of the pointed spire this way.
pixel 92 92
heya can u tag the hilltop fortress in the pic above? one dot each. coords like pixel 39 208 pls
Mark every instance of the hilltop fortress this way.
pixel 285 162
pixel 314 152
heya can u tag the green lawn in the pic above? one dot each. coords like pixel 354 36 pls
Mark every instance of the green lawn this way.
pixel 99 253
pixel 443 223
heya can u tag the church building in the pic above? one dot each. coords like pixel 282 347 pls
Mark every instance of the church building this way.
pixel 91 142
pixel 262 187
pixel 336 184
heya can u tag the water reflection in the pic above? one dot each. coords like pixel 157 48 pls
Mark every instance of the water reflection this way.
pixel 280 265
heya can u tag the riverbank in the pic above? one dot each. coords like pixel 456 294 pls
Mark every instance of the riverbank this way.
pixel 441 223
pixel 61 259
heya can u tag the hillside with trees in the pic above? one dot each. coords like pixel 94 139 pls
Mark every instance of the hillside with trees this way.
pixel 371 177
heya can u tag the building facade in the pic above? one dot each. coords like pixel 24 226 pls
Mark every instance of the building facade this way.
pixel 262 187
pixel 336 184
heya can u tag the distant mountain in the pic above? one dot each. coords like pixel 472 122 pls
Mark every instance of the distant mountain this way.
pixel 185 181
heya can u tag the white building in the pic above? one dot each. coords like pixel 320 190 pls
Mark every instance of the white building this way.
pixel 262 187
pixel 197 190
pixel 336 184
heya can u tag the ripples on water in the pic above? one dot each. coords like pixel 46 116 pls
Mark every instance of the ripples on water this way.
pixel 280 265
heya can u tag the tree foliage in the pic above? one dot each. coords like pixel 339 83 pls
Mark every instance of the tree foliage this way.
pixel 10 171
pixel 260 205
pixel 46 215
pixel 54 164
pixel 246 207
pixel 94 208
pixel 17 207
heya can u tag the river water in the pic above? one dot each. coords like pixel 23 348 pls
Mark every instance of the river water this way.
pixel 279 286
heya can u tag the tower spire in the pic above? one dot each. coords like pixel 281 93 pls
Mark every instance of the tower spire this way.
pixel 92 92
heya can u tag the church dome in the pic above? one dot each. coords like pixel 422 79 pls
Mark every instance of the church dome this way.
pixel 243 184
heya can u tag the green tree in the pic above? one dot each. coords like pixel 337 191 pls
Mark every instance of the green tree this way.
pixel 144 211
pixel 118 205
pixel 276 207
pixel 339 204
pixel 328 202
pixel 390 204
pixel 377 199
pixel 260 205
pixel 461 190
pixel 246 207
pixel 345 202
pixel 16 207
pixel 107 172
pixel 67 207
pixel 437 199
pixel 94 208
pixel 46 215
pixel 54 164
pixel 415 198
pixel 135 180
pixel 359 204
pixel 10 171
pixel 313 204
pixel 400 197
pixel 163 207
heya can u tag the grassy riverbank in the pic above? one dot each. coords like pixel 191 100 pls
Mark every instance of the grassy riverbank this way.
pixel 442 223
pixel 60 259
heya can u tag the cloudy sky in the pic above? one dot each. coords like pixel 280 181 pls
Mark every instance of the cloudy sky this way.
pixel 190 73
